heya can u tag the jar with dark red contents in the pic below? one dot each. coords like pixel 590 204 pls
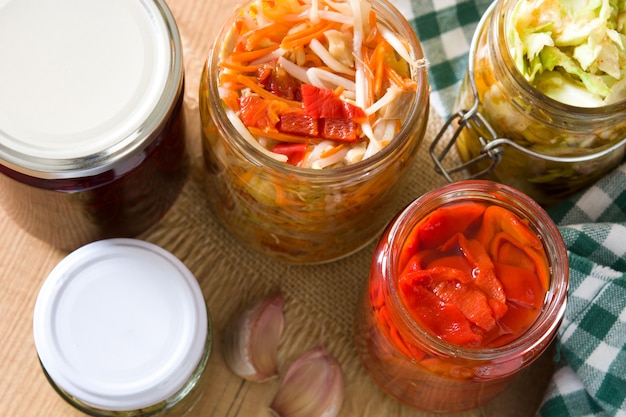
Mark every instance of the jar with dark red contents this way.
pixel 92 132
pixel 467 287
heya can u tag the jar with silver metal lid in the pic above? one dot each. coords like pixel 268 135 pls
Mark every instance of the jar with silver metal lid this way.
pixel 548 135
pixel 92 140
pixel 121 328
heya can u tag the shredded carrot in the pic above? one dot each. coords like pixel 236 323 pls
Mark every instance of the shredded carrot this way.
pixel 340 89
pixel 276 10
pixel 232 100
pixel 331 151
pixel 312 60
pixel 282 200
pixel 280 136
pixel 378 62
pixel 374 36
pixel 404 83
pixel 247 56
pixel 251 83
pixel 239 68
pixel 273 32
pixel 305 36
pixel 229 77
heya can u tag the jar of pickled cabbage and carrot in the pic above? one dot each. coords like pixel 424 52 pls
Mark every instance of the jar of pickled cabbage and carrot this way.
pixel 542 107
pixel 467 287
pixel 311 112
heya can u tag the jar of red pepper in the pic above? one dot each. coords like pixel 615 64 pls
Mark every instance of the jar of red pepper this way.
pixel 92 141
pixel 467 287
pixel 311 116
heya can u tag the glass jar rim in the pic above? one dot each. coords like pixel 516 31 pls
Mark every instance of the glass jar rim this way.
pixel 376 161
pixel 551 315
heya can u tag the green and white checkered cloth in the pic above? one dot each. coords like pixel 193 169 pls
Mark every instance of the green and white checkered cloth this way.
pixel 590 379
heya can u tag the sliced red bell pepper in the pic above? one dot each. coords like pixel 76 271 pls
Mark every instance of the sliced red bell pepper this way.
pixel 497 219
pixel 506 250
pixel 342 130
pixel 322 103
pixel 446 221
pixel 298 124
pixel 471 301
pixel 521 285
pixel 483 271
pixel 443 320
pixel 274 78
pixel 456 287
pixel 295 152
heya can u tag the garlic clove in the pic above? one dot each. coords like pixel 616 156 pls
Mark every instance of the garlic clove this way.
pixel 312 386
pixel 251 343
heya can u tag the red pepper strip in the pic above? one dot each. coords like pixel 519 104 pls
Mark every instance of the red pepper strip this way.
pixel 446 221
pixel 392 332
pixel 298 124
pixel 443 320
pixel 471 301
pixel 521 285
pixel 342 130
pixel 506 250
pixel 294 151
pixel 324 103
pixel 420 260
pixel 457 261
pixel 483 271
pixel 497 219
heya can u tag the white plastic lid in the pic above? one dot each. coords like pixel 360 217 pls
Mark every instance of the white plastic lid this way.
pixel 78 78
pixel 120 324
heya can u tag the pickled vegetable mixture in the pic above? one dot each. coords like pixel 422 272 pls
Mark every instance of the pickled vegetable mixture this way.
pixel 473 275
pixel 572 51
pixel 315 83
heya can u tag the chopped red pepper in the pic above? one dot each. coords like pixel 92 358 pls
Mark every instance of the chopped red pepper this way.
pixel 446 221
pixel 254 111
pixel 322 103
pixel 445 320
pixel 342 130
pixel 295 152
pixel 275 79
pixel 298 124
pixel 521 285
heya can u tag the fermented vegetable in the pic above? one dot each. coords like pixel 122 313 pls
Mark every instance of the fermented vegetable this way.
pixel 312 112
pixel 548 77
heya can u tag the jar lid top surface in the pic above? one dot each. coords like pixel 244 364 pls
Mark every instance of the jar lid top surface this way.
pixel 120 324
pixel 83 76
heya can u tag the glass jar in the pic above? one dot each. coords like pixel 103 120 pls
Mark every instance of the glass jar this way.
pixel 305 215
pixel 438 374
pixel 92 132
pixel 121 328
pixel 506 130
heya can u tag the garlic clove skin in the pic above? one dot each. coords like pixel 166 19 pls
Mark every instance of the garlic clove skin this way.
pixel 251 343
pixel 312 386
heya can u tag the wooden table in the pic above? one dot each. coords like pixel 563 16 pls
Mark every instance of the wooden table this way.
pixel 230 277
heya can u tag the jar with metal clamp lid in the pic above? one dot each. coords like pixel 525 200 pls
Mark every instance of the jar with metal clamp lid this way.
pixel 548 135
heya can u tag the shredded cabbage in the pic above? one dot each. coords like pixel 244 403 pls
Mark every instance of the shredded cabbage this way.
pixel 571 50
